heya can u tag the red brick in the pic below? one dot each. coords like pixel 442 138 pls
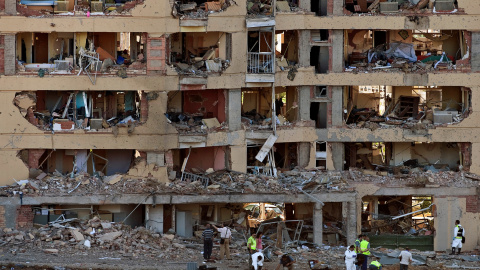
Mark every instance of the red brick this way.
pixel 25 217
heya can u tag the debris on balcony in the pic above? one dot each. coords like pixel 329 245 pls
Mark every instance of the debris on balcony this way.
pixel 93 111
pixel 259 7
pixel 427 108
pixel 189 9
pixel 401 7
pixel 187 123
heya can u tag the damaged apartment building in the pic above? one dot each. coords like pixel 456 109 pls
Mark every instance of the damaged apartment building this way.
pixel 330 118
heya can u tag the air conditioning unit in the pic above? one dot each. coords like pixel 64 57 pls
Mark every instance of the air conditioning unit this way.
pixel 96 6
pixel 62 65
pixel 388 7
pixel 61 6
pixel 444 5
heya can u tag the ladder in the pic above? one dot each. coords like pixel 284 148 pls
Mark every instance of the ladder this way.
pixel 69 107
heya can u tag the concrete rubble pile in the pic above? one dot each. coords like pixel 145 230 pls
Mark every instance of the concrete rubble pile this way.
pixel 225 182
pixel 97 238
pixel 191 10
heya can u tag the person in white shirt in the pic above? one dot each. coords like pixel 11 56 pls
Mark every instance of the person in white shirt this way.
pixel 350 257
pixel 405 259
pixel 257 260
pixel 226 235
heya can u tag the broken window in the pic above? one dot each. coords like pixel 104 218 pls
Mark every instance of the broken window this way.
pixel 401 106
pixel 284 156
pixel 320 35
pixel 97 162
pixel 319 113
pixel 321 155
pixel 192 111
pixel 403 158
pixel 200 53
pixel 65 111
pixel 320 58
pixel 405 50
pixel 66 53
pixel 198 9
pixel 261 52
pixel 286 49
pixel 72 7
pixel 260 7
pixel 257 107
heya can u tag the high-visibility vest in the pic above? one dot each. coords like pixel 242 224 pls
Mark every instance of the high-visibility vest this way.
pixel 459 232
pixel 364 246
pixel 377 264
pixel 252 242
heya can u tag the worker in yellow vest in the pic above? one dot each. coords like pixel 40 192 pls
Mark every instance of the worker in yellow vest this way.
pixel 375 264
pixel 364 251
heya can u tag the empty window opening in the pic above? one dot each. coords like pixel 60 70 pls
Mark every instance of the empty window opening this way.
pixel 405 50
pixel 321 155
pixel 318 113
pixel 393 106
pixel 199 53
pixel 66 111
pixel 321 35
pixel 261 51
pixel 190 110
pixel 319 58
pixel 401 6
pixel 94 52
pixel 321 91
pixel 319 7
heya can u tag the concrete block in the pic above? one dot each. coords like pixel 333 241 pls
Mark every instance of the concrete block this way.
pixel 442 118
pixel 11 7
pixel 110 236
pixel 234 104
pixel 78 236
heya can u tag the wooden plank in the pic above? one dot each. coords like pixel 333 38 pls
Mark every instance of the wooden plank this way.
pixel 374 5
pixel 266 148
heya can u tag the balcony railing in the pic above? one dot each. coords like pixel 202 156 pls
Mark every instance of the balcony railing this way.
pixel 261 62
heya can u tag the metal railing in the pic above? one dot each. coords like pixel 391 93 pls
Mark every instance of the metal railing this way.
pixel 260 62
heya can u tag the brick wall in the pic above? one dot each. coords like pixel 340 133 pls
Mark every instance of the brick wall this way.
pixel 157 52
pixel 144 108
pixel 34 156
pixel 2 5
pixel 2 51
pixel 472 204
pixel 2 217
pixel 24 217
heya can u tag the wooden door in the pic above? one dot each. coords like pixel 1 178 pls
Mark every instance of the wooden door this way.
pixel 41 48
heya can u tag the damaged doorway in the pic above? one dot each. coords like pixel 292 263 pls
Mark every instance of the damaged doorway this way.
pixel 319 58
pixel 285 155
pixel 399 221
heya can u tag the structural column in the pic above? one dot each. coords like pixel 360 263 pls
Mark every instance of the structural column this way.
pixel 317 224
pixel 9 54
pixel 337 106
pixel 350 219
pixel 475 60
pixel 336 37
pixel 337 153
pixel 234 109
pixel 154 218
pixel 304 48
pixel 11 7
pixel 338 7
pixel 303 102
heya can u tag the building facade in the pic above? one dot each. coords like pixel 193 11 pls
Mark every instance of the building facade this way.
pixel 112 105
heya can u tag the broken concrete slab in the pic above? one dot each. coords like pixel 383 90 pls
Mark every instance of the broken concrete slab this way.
pixel 77 235
pixel 113 179
pixel 110 236
pixel 50 251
